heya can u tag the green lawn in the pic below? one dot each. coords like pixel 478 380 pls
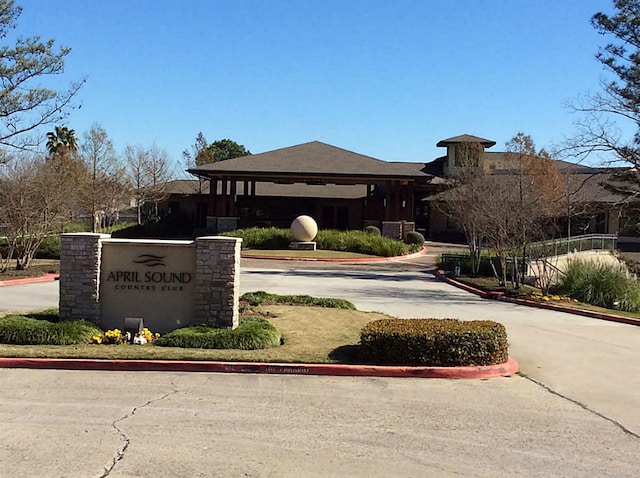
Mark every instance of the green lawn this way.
pixel 311 335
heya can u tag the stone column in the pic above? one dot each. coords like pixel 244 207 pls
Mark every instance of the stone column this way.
pixel 80 276
pixel 217 281
pixel 392 229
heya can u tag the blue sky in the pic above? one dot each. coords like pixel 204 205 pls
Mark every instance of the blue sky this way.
pixel 383 78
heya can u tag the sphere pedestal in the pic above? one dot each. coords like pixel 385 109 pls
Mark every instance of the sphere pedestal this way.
pixel 303 245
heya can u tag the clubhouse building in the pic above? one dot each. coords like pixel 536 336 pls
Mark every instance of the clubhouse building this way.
pixel 342 189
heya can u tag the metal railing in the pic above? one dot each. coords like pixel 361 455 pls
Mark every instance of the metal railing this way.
pixel 565 245
pixel 536 251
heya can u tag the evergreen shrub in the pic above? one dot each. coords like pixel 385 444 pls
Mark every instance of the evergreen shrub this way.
pixel 262 237
pixel 414 237
pixel 252 333
pixel 265 298
pixel 434 342
pixel 22 330
pixel 373 230
pixel 327 239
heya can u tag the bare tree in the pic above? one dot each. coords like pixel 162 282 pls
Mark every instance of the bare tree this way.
pixel 104 191
pixel 524 201
pixel 36 199
pixel 148 170
pixel 462 202
pixel 506 209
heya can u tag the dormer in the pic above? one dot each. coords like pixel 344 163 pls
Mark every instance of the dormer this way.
pixel 464 151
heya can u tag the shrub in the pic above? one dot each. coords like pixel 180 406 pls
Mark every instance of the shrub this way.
pixel 603 285
pixel 448 262
pixel 251 334
pixel 414 237
pixel 373 230
pixel 50 248
pixel 360 242
pixel 433 342
pixel 22 330
pixel 328 239
pixel 265 298
pixel 262 237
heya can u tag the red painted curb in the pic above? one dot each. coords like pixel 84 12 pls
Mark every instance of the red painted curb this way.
pixel 540 305
pixel 30 280
pixel 478 372
pixel 346 260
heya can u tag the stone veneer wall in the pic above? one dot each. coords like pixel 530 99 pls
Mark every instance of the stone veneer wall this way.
pixel 397 229
pixel 80 276
pixel 392 229
pixel 217 281
pixel 220 224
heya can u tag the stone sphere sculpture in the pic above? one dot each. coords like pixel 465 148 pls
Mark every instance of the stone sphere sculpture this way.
pixel 304 228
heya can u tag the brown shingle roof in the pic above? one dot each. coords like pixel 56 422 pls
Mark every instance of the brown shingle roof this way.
pixel 583 188
pixel 314 159
pixel 465 138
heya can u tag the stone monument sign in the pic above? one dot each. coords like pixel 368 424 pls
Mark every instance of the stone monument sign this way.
pixel 169 284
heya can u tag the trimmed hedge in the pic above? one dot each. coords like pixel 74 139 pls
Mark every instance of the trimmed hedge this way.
pixel 251 334
pixel 434 342
pixel 22 330
pixel 414 237
pixel 265 298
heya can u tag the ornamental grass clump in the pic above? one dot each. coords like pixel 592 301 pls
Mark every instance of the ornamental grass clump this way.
pixel 23 330
pixel 603 285
pixel 362 242
pixel 252 333
pixel 433 342
pixel 263 237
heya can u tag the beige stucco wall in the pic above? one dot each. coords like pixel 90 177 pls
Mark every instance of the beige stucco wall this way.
pixel 154 280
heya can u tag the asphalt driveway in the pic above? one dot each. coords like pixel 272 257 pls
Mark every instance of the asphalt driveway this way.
pixel 574 411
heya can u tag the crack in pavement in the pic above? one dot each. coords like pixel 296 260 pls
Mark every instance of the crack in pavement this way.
pixel 120 453
pixel 584 407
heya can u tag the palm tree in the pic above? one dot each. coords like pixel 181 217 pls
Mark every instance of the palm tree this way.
pixel 62 141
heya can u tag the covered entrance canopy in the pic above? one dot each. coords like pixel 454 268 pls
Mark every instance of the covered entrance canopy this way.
pixel 339 188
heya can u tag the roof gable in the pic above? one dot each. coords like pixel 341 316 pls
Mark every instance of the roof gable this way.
pixel 465 138
pixel 312 159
